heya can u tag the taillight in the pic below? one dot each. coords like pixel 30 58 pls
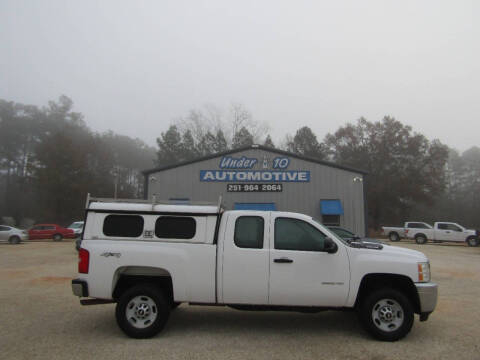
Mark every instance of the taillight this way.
pixel 406 231
pixel 83 261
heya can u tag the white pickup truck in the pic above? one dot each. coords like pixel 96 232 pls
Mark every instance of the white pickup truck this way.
pixel 440 232
pixel 148 258
pixel 397 233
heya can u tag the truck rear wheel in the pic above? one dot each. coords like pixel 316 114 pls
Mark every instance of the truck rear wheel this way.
pixel 393 236
pixel 387 314
pixel 420 239
pixel 142 311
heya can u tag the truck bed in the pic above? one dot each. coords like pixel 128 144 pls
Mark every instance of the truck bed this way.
pixel 191 266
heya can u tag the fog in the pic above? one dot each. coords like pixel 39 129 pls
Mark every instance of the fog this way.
pixel 134 67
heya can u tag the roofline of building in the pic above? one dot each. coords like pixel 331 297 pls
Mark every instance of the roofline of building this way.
pixel 249 147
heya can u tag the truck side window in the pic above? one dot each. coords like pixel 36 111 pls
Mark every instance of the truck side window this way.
pixel 175 227
pixel 295 234
pixel 417 226
pixel 123 225
pixel 249 232
pixel 452 227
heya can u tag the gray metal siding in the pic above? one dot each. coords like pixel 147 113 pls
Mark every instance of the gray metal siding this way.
pixel 325 183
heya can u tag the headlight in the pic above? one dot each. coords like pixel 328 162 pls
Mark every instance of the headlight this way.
pixel 423 271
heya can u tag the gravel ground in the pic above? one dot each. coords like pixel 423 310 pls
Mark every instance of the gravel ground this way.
pixel 41 319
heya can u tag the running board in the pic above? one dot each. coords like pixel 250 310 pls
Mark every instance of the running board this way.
pixel 96 301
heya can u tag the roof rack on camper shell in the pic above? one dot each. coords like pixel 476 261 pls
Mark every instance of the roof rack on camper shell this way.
pixel 152 204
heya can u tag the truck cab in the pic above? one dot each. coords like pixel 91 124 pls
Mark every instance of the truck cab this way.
pixel 281 258
pixel 449 231
pixel 148 258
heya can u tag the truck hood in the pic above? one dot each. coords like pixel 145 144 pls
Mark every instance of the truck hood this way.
pixel 386 250
pixel 402 252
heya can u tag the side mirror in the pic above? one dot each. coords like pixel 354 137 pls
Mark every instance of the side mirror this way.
pixel 330 246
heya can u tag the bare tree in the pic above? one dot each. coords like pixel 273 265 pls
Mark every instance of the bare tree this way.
pixel 211 119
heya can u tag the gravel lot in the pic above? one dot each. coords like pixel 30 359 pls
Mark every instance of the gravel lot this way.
pixel 40 318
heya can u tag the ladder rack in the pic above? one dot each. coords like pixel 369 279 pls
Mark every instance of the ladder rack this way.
pixel 154 202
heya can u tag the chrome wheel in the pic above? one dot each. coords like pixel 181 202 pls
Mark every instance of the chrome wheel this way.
pixel 420 239
pixel 394 237
pixel 387 315
pixel 141 312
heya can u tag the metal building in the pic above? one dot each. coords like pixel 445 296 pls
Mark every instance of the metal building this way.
pixel 259 177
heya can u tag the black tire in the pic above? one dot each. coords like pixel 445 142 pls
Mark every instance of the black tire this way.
pixel 149 294
pixel 394 237
pixel 57 237
pixel 420 239
pixel 14 239
pixel 472 241
pixel 401 308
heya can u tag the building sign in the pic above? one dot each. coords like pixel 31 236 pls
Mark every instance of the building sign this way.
pixel 241 170
pixel 255 175
pixel 254 187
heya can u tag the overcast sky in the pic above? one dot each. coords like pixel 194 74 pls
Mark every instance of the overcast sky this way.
pixel 135 66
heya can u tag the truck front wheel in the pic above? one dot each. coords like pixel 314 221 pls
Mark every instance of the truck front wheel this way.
pixel 387 314
pixel 472 241
pixel 142 311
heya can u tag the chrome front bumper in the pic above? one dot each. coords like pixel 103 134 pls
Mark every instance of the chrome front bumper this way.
pixel 427 294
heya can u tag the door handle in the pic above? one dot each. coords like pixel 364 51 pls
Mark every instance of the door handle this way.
pixel 448 232
pixel 283 260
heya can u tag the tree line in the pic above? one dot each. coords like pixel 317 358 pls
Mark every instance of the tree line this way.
pixel 50 159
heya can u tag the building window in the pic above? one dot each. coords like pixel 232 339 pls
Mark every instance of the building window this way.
pixel 123 225
pixel 331 220
pixel 249 232
pixel 331 210
pixel 175 227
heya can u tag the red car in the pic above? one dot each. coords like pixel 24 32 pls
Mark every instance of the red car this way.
pixel 50 231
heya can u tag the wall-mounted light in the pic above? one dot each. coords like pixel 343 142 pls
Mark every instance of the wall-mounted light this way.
pixel 357 178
